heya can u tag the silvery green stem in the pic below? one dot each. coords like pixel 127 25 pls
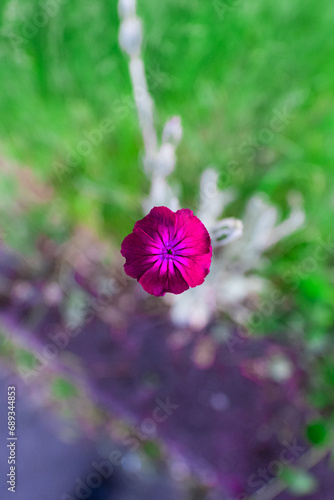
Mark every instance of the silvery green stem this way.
pixel 159 161
pixel 145 107
pixel 130 39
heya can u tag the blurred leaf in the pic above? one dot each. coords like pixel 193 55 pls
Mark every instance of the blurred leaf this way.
pixel 300 482
pixel 152 449
pixel 317 433
pixel 25 359
pixel 63 389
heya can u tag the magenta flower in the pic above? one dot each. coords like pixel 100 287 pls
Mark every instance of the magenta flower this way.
pixel 168 251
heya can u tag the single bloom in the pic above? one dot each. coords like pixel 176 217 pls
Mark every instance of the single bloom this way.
pixel 168 251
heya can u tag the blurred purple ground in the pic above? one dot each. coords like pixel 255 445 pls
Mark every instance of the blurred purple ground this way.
pixel 221 420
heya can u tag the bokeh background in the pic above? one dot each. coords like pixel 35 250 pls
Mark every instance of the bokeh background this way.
pixel 253 84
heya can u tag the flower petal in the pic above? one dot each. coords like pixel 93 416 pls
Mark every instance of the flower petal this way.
pixel 191 236
pixel 158 224
pixel 163 277
pixel 194 269
pixel 140 254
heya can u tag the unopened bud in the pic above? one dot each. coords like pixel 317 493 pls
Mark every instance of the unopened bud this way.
pixel 130 36
pixel 166 159
pixel 126 8
pixel 172 131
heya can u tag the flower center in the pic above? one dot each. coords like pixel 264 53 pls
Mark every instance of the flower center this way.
pixel 167 253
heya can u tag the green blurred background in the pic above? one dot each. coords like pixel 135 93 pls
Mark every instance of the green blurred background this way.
pixel 228 69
